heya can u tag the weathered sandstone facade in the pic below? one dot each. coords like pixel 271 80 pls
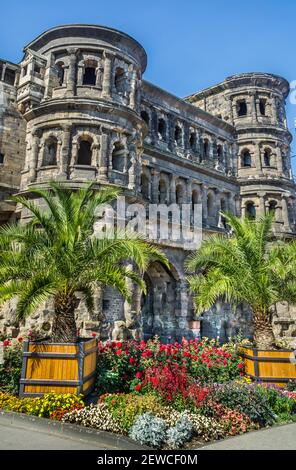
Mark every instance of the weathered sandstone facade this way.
pixel 77 109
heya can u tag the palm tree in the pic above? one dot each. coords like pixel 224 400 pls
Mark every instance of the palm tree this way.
pixel 244 267
pixel 56 254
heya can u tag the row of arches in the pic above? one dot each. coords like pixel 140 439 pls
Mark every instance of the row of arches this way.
pixel 194 142
pixel 85 147
pixel 267 156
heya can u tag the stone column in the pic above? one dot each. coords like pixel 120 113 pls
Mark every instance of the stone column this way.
pixel 253 106
pixel 173 189
pixel 204 200
pixel 132 166
pixel 65 152
pixel 155 186
pixel 261 206
pixel 71 76
pixel 103 158
pixel 107 77
pixel 3 73
pixel 273 109
pixel 36 134
pixel 48 77
pixel 217 206
pixel 285 214
pixel 132 94
pixel 279 160
pixel 258 159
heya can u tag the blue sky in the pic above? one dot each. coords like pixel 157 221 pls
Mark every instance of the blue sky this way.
pixel 191 44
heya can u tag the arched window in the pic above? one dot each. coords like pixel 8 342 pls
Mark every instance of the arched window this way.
pixel 119 80
pixel 246 158
pixel 162 192
pixel 206 148
pixel 50 152
pixel 210 205
pixel 60 73
pixel 118 157
pixel 262 107
pixel 223 208
pixel 145 186
pixel 178 135
pixel 145 117
pixel 242 108
pixel 179 194
pixel 161 129
pixel 267 155
pixel 219 152
pixel 84 153
pixel 89 76
pixel 272 206
pixel 250 210
pixel 192 141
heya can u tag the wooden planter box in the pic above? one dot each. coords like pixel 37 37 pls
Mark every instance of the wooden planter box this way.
pixel 58 367
pixel 272 367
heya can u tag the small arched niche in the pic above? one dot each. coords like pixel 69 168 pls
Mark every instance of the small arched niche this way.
pixel 118 157
pixel 50 152
pixel 84 156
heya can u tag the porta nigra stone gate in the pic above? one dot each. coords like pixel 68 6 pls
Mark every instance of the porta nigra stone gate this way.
pixel 76 109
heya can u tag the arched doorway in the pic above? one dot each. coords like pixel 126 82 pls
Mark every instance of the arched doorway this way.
pixel 158 305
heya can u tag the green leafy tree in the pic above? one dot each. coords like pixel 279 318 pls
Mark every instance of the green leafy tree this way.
pixel 245 266
pixel 56 254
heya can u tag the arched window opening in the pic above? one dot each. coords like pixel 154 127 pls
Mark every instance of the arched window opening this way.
pixel 118 157
pixel 206 148
pixel 2 158
pixel 193 141
pixel 145 185
pixel 251 210
pixel 219 152
pixel 60 73
pixel 179 194
pixel 272 206
pixel 84 153
pixel 178 135
pixel 242 108
pixel 223 209
pixel 161 129
pixel 210 205
pixel 50 153
pixel 267 157
pixel 246 158
pixel 145 117
pixel 89 76
pixel 119 80
pixel 9 76
pixel 262 107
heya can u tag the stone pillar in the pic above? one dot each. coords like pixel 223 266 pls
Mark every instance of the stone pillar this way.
pixel 261 206
pixel 132 94
pixel 36 134
pixel 217 206
pixel 285 214
pixel 71 76
pixel 253 106
pixel 48 77
pixel 132 176
pixel 3 72
pixel 103 158
pixel 155 186
pixel 273 109
pixel 204 200
pixel 173 189
pixel 279 159
pixel 258 159
pixel 65 152
pixel 107 77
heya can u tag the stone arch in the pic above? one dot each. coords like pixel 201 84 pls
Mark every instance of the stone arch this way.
pixel 267 157
pixel 84 149
pixel 119 80
pixel 50 151
pixel 178 135
pixel 119 156
pixel 206 148
pixel 163 189
pixel 60 71
pixel 159 304
pixel 250 209
pixel 246 159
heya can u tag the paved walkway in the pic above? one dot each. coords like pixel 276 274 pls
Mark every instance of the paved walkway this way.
pixel 275 438
pixel 24 432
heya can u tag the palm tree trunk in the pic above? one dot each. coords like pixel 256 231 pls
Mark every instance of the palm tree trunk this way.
pixel 263 332
pixel 64 326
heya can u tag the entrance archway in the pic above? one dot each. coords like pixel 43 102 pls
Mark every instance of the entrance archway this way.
pixel 159 304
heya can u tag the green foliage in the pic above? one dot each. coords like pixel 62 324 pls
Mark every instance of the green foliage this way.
pixel 282 405
pixel 55 253
pixel 10 370
pixel 246 399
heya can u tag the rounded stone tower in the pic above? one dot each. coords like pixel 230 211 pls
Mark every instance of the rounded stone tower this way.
pixel 254 103
pixel 79 91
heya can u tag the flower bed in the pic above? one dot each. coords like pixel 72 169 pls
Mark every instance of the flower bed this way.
pixel 165 396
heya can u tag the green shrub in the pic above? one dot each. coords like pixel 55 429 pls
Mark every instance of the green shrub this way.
pixel 10 370
pixel 246 399
pixel 282 405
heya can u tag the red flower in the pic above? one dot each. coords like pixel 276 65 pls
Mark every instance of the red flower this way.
pixel 94 335
pixel 118 344
pixel 6 342
pixel 240 365
pixel 139 375
pixel 132 360
pixel 20 339
pixel 118 352
pixel 138 387
pixel 194 358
